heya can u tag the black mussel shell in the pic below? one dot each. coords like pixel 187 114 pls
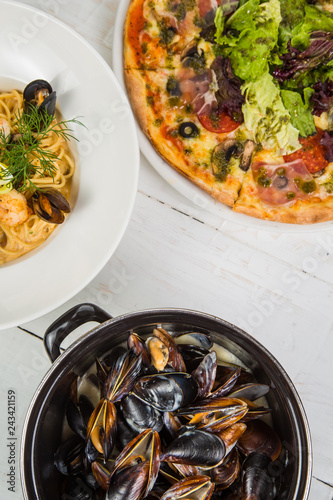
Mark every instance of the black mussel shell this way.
pixel 122 375
pixel 205 374
pixel 69 457
pixel 125 433
pixel 190 487
pixel 39 94
pixel 195 447
pixel 250 391
pixel 192 355
pixel 137 344
pixel 30 91
pixel 49 104
pixel 256 481
pixel 167 391
pixel 140 416
pixel 50 205
pixel 77 489
pixel 194 339
pixel 128 483
pixel 78 414
pixel 226 382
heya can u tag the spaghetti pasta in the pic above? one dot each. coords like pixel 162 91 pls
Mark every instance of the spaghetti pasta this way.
pixel 17 240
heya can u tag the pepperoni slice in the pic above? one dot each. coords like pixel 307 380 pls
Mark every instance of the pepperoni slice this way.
pixel 312 153
pixel 218 122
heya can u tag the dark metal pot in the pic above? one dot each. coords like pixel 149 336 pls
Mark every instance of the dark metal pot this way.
pixel 44 421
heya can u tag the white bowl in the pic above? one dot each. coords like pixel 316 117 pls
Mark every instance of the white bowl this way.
pixel 36 45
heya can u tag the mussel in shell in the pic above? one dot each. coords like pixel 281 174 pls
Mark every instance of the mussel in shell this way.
pixel 194 488
pixel 257 482
pixel 50 205
pixel 69 458
pixel 78 411
pixel 196 447
pixel 260 437
pixel 101 430
pixel 39 94
pixel 136 467
pixel 167 391
pixel 140 416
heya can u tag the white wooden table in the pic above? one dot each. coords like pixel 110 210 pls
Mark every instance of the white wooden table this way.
pixel 278 287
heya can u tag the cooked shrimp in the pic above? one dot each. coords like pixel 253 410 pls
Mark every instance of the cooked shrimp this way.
pixel 4 127
pixel 14 208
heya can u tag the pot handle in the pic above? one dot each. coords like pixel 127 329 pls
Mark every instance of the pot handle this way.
pixel 63 326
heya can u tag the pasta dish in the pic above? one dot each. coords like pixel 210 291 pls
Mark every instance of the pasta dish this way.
pixel 36 168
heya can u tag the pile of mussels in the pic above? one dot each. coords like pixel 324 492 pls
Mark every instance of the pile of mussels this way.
pixel 173 422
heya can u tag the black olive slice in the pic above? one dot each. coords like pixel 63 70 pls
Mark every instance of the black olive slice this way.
pixel 280 182
pixel 188 130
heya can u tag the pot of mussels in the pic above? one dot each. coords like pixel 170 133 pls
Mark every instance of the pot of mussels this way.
pixel 163 404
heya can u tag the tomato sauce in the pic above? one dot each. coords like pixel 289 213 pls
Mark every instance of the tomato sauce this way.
pixel 312 153
pixel 136 27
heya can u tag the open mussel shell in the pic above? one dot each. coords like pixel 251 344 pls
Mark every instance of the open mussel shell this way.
pixel 192 355
pixel 194 488
pixel 159 353
pixel 226 383
pixel 128 483
pixel 50 205
pixel 122 376
pixel 138 346
pixel 39 94
pixel 196 447
pixel 215 414
pixel 136 467
pixel 205 374
pixel 101 430
pixel 227 472
pixel 175 359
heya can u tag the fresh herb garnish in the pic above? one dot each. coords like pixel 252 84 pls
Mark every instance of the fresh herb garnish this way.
pixel 24 154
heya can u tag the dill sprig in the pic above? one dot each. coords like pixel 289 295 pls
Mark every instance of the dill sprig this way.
pixel 26 145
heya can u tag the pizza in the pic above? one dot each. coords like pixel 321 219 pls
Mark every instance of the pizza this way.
pixel 237 95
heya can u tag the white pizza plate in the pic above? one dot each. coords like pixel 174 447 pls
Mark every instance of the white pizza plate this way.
pixel 183 185
pixel 35 45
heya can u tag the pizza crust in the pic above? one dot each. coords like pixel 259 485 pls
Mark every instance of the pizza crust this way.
pixel 309 210
pixel 135 85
